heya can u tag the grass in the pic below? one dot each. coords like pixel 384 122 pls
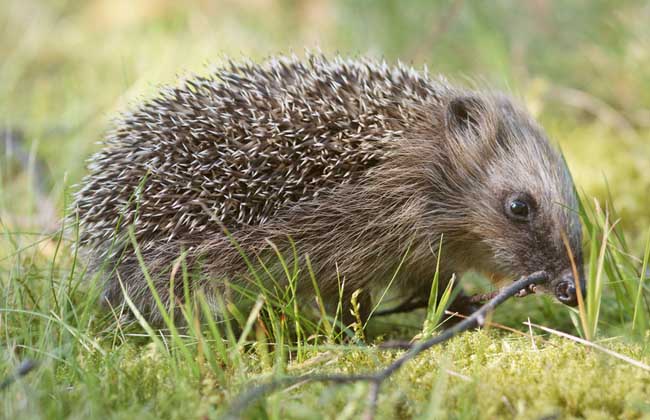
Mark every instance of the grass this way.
pixel 69 66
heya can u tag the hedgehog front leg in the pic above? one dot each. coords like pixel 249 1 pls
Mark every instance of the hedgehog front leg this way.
pixel 462 305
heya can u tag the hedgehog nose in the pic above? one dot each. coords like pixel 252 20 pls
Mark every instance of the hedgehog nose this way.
pixel 565 289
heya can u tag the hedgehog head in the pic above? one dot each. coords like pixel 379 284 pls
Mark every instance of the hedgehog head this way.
pixel 519 201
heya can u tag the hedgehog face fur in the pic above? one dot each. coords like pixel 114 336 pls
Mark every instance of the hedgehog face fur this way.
pixel 520 200
pixel 364 166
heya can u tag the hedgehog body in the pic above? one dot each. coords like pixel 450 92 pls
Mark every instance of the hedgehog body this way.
pixel 360 165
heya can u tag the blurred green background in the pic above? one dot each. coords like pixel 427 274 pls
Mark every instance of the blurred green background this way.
pixel 583 68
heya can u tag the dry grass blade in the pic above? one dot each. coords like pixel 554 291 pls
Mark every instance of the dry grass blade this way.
pixel 591 344
pixel 580 293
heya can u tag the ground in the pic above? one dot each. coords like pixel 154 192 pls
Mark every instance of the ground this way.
pixel 69 67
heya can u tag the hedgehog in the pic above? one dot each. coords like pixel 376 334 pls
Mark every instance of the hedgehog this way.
pixel 360 169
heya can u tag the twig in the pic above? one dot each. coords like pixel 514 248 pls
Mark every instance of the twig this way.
pixel 15 147
pixel 23 369
pixel 406 345
pixel 416 302
pixel 260 390
pixel 373 397
pixel 376 379
pixel 482 297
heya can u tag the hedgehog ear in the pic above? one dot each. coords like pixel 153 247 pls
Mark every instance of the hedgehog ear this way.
pixel 464 114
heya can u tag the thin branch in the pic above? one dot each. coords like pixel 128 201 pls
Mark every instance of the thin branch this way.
pixel 22 370
pixel 373 397
pixel 416 302
pixel 245 400
pixel 376 379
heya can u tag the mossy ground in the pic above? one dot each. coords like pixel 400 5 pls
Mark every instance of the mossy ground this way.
pixel 481 374
pixel 67 67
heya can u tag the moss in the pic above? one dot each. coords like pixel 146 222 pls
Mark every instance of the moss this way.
pixel 488 374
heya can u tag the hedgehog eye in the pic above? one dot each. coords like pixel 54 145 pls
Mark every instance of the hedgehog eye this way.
pixel 518 208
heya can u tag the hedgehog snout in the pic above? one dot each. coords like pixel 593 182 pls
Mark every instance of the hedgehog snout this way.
pixel 565 289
